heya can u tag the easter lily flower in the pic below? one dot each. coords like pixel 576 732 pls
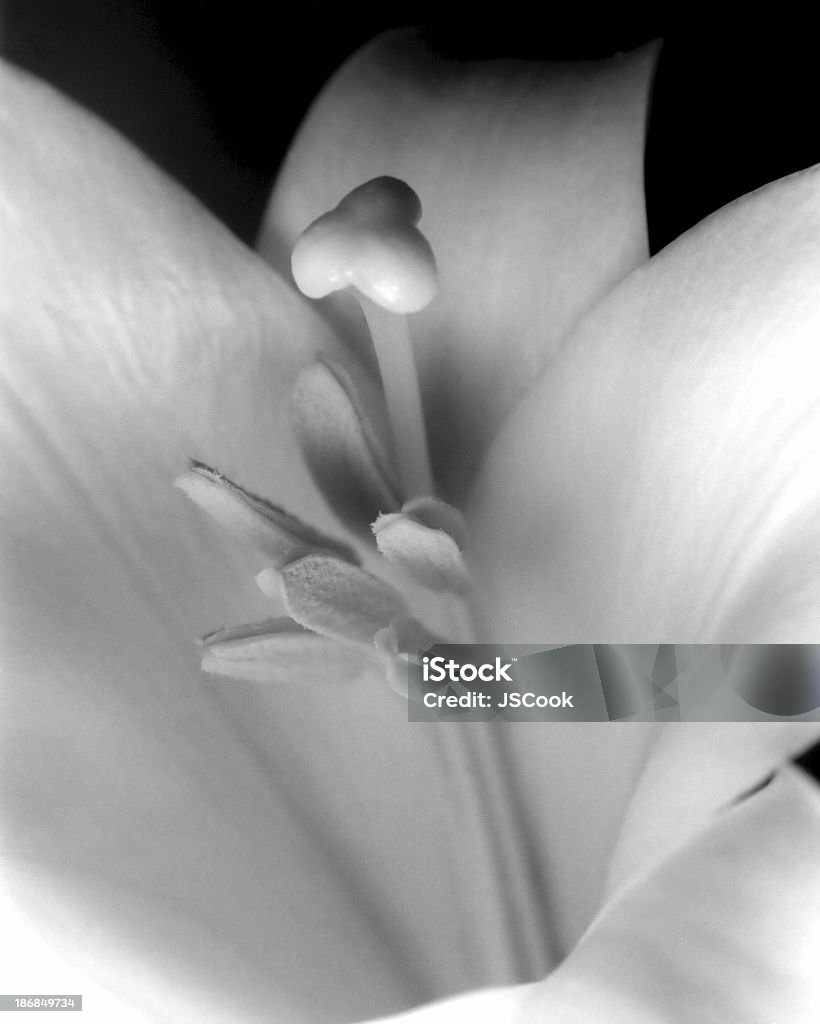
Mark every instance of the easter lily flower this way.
pixel 633 448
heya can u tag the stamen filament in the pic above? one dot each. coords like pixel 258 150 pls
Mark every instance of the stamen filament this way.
pixel 397 365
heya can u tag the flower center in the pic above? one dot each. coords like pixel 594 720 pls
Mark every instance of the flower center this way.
pixel 370 245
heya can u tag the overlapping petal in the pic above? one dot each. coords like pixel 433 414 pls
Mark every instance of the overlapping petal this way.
pixel 667 467
pixel 727 929
pixel 532 200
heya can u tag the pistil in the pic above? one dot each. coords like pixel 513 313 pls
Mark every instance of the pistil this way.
pixel 397 366
pixel 370 245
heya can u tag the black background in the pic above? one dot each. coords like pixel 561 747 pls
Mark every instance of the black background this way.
pixel 214 92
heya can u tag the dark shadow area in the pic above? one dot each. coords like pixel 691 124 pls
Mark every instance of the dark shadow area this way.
pixel 214 94
pixel 733 108
pixel 809 761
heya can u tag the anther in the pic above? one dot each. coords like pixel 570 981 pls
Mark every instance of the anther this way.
pixel 370 244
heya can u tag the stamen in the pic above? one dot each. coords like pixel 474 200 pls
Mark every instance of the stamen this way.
pixel 280 651
pixel 334 598
pixel 370 244
pixel 280 536
pixel 430 553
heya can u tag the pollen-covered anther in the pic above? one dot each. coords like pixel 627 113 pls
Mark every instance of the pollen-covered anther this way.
pixel 425 538
pixel 370 242
pixel 279 536
pixel 334 598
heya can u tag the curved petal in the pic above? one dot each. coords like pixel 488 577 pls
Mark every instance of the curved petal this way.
pixel 531 181
pixel 675 489
pixel 728 928
pixel 713 764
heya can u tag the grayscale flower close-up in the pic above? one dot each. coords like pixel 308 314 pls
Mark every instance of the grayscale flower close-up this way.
pixel 231 511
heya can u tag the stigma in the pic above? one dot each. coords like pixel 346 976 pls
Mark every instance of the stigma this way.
pixel 369 242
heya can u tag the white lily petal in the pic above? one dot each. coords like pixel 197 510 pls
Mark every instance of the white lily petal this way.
pixel 719 762
pixel 727 929
pixel 677 489
pixel 493 1006
pixel 532 202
